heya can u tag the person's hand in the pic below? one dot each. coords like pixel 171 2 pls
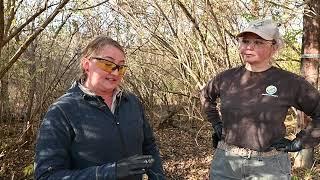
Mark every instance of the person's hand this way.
pixel 218 129
pixel 217 134
pixel 215 140
pixel 133 165
pixel 287 145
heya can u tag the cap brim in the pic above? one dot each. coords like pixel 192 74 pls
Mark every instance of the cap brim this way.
pixel 261 34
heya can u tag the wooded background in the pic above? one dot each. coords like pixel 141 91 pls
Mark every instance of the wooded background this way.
pixel 173 48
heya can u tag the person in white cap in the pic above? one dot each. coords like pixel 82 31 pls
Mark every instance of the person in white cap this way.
pixel 249 135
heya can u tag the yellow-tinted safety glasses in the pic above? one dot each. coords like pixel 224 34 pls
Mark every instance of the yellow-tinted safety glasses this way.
pixel 109 66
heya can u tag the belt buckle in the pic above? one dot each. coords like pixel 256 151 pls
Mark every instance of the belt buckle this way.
pixel 248 156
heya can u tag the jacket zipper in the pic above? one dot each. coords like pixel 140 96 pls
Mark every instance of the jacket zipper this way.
pixel 116 114
pixel 117 122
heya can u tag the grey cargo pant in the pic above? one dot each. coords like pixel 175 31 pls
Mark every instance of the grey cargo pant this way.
pixel 226 166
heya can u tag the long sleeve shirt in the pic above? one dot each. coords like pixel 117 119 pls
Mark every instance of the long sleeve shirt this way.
pixel 254 106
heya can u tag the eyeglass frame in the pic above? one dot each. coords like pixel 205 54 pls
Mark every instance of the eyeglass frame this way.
pixel 117 66
pixel 253 41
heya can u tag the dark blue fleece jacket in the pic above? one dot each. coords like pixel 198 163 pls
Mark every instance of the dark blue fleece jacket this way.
pixel 80 138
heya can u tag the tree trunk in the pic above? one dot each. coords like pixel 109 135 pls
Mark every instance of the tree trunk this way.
pixel 309 67
pixel 4 100
pixel 32 86
pixel 6 67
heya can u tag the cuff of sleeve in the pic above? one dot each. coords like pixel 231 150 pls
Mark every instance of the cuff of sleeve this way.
pixel 106 171
pixel 217 122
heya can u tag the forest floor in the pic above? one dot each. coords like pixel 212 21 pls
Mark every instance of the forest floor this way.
pixel 186 154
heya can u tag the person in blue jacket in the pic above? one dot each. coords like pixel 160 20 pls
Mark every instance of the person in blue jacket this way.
pixel 97 130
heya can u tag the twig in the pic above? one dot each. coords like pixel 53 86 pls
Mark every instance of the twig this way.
pixel 12 177
pixel 198 134
pixel 1 154
pixel 89 7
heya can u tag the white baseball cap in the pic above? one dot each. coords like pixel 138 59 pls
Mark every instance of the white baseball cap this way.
pixel 264 28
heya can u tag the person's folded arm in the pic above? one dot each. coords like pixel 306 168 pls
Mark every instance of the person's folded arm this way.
pixel 208 98
pixel 308 101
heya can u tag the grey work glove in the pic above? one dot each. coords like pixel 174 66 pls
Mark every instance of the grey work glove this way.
pixel 133 165
pixel 287 145
pixel 217 134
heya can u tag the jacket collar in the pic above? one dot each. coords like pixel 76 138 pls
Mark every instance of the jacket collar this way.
pixel 77 87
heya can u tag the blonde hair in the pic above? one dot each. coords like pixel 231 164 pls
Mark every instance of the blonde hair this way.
pixel 94 47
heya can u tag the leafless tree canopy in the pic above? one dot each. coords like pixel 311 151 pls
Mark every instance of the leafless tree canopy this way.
pixel 173 47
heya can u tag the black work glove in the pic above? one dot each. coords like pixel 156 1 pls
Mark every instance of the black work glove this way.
pixel 133 165
pixel 217 134
pixel 287 145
